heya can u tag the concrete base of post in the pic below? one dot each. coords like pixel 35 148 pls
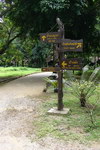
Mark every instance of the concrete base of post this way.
pixel 55 111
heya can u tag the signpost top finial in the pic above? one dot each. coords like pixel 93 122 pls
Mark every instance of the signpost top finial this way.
pixel 60 24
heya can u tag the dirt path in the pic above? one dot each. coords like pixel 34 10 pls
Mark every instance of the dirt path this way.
pixel 18 109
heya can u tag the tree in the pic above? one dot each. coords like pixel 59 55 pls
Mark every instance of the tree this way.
pixel 12 57
pixel 8 31
pixel 26 46
pixel 79 16
pixel 39 54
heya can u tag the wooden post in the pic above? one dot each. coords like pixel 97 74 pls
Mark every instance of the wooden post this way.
pixel 60 73
pixel 60 86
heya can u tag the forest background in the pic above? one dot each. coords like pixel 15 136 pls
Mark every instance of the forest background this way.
pixel 22 21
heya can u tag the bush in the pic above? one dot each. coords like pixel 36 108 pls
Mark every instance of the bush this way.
pixel 84 87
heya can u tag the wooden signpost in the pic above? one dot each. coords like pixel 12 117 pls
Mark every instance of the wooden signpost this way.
pixel 60 73
pixel 62 45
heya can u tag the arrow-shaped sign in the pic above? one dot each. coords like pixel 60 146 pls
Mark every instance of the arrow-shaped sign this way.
pixel 71 64
pixel 64 64
pixel 71 45
pixel 79 45
pixel 43 37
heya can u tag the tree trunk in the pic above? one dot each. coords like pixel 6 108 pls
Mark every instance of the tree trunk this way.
pixel 83 100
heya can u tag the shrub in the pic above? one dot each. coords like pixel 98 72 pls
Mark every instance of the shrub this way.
pixel 83 88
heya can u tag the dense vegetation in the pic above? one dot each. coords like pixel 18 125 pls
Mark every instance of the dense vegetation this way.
pixel 22 21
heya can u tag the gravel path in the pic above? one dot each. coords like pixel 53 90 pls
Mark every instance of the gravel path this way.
pixel 18 109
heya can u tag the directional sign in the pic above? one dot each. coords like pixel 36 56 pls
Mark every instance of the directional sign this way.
pixel 71 45
pixel 51 37
pixel 51 69
pixel 71 64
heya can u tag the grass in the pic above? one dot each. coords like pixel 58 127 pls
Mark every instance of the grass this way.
pixel 74 126
pixel 6 72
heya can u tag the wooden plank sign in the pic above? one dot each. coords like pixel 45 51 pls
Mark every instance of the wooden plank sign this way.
pixel 51 37
pixel 71 64
pixel 71 45
pixel 50 69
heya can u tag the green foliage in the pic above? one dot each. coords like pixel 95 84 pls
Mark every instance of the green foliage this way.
pixel 6 72
pixel 84 88
pixel 80 19
pixel 74 126
pixel 39 54
pixel 12 57
pixel 29 18
pixel 46 5
pixel 8 33
pixel 15 51
pixel 54 83
pixel 25 46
